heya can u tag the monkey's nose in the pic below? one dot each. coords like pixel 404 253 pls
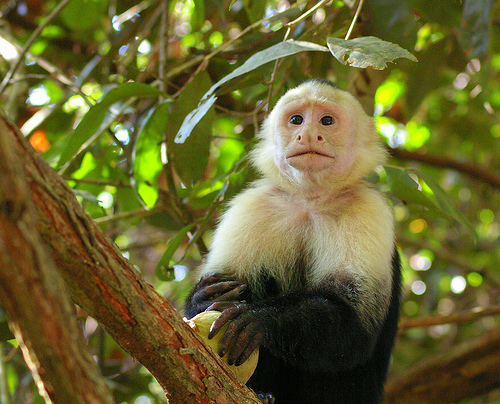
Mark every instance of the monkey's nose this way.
pixel 309 138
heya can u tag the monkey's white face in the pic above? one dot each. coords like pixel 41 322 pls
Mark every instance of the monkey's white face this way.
pixel 317 137
pixel 314 135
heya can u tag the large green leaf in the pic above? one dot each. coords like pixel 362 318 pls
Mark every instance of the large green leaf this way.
pixel 147 154
pixel 367 52
pixel 190 158
pixel 94 14
pixel 444 202
pixel 406 189
pixel 270 54
pixel 96 115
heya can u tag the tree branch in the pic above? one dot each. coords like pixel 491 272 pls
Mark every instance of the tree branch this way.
pixel 466 371
pixel 461 317
pixel 41 315
pixel 109 288
pixel 469 169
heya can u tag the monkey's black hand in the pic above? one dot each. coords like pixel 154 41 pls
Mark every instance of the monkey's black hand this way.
pixel 243 335
pixel 215 292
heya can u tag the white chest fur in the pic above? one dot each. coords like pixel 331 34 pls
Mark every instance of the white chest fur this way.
pixel 267 229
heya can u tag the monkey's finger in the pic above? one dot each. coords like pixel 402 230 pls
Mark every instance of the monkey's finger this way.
pixel 234 339
pixel 210 292
pixel 247 339
pixel 214 277
pixel 233 294
pixel 221 306
pixel 226 316
pixel 251 346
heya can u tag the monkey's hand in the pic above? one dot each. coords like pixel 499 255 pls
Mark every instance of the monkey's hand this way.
pixel 214 292
pixel 244 333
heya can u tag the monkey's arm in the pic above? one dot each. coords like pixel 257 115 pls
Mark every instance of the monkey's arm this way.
pixel 211 288
pixel 314 330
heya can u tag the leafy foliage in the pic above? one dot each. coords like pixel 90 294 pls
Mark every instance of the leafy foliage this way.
pixel 148 110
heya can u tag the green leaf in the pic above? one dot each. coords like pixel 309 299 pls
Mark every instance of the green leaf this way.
pixel 5 333
pixel 207 218
pixel 190 158
pixel 198 15
pixel 367 51
pixel 405 188
pixel 444 202
pixel 96 115
pixel 94 12
pixel 163 269
pixel 270 54
pixel 147 154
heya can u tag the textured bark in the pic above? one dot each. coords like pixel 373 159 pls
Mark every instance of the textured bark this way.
pixel 106 285
pixel 41 314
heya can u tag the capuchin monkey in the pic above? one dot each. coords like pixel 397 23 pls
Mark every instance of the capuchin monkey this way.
pixel 303 264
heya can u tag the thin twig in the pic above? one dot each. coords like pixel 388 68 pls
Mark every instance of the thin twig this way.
pixel 307 13
pixel 162 64
pixel 355 18
pixel 461 317
pixel 289 26
pixel 28 44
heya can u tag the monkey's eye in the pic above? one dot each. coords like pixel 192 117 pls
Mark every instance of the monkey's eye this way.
pixel 327 120
pixel 296 120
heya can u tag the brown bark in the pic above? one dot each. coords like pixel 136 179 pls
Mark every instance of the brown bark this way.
pixel 107 286
pixel 466 371
pixel 34 297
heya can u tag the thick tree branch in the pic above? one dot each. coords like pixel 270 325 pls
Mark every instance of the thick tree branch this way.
pixel 34 297
pixel 110 289
pixel 466 371
pixel 469 169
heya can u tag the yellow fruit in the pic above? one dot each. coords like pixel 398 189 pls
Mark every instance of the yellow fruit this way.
pixel 201 325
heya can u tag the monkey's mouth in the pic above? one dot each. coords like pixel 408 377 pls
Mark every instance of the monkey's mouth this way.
pixel 306 152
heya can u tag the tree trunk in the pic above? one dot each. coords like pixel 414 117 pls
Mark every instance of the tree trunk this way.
pixel 41 315
pixel 106 285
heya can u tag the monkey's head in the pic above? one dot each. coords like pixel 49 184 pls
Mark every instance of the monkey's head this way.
pixel 316 135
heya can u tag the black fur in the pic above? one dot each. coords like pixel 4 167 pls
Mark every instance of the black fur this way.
pixel 315 349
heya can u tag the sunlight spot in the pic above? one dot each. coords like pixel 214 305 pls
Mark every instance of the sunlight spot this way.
pixel 418 287
pixel 458 284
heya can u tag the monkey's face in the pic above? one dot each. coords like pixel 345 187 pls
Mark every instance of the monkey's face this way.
pixel 317 135
pixel 313 135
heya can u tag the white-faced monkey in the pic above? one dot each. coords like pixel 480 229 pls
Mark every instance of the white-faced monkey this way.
pixel 303 264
